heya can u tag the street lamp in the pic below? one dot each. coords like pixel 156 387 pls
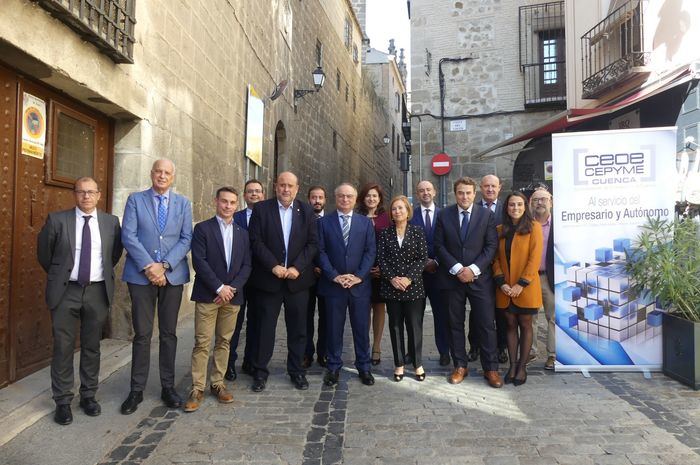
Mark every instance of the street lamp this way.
pixel 319 79
pixel 386 139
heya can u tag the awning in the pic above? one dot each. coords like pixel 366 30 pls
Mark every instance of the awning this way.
pixel 575 116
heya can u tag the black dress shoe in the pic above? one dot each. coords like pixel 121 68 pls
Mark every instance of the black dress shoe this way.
pixel 247 368
pixel 132 402
pixel 502 356
pixel 299 382
pixel 331 378
pixel 258 385
pixel 473 355
pixel 170 397
pixel 63 415
pixel 444 360
pixel 90 406
pixel 366 378
pixel 322 361
pixel 230 374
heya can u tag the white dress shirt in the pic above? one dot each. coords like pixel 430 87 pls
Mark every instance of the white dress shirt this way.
pixel 340 219
pixel 432 213
pixel 248 212
pixel 227 235
pixel 458 266
pixel 166 201
pixel 485 204
pixel 286 219
pixel 96 266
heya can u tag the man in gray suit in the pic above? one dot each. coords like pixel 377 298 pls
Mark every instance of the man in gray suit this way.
pixel 78 248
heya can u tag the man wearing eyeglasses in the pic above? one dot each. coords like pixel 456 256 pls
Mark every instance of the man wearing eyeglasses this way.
pixel 541 208
pixel 78 248
pixel 253 192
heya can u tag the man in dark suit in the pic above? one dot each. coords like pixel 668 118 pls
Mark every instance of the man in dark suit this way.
pixel 253 192
pixel 541 208
pixel 221 261
pixel 490 188
pixel 283 237
pixel 78 249
pixel 425 216
pixel 156 233
pixel 465 244
pixel 347 250
pixel 317 200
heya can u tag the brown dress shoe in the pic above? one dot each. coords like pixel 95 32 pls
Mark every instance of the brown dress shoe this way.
pixel 193 401
pixel 493 378
pixel 222 395
pixel 458 375
pixel 307 361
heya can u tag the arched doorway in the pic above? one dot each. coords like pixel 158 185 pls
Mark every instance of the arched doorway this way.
pixel 279 163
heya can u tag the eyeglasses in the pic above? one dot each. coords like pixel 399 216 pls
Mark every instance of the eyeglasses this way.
pixel 540 200
pixel 253 191
pixel 88 193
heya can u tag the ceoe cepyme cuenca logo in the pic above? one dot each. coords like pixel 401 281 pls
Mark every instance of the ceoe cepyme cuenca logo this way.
pixel 614 167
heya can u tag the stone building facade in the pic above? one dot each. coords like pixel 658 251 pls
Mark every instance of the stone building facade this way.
pixel 183 96
pixel 475 43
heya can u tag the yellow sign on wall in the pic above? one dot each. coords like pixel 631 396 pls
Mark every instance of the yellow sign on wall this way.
pixel 33 126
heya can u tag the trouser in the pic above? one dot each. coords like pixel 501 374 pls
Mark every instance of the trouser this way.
pixel 408 313
pixel 211 319
pixel 440 320
pixel 321 341
pixel 248 312
pixel 549 314
pixel 336 309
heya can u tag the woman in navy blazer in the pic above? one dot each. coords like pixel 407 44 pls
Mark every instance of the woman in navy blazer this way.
pixel 402 252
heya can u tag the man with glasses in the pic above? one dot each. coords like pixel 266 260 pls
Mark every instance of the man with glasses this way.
pixel 253 192
pixel 541 208
pixel 78 248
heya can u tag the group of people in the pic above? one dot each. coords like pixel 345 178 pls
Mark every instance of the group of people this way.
pixel 360 260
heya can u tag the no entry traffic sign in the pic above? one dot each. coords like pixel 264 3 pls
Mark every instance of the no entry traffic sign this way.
pixel 441 164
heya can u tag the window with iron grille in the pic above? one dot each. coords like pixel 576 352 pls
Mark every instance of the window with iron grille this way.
pixel 348 34
pixel 319 53
pixel 355 54
pixel 542 54
pixel 108 24
pixel 337 80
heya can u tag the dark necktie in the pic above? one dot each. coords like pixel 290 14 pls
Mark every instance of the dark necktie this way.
pixel 465 226
pixel 427 223
pixel 85 252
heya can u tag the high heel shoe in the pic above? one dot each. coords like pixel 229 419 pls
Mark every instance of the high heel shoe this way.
pixel 378 360
pixel 420 376
pixel 398 376
pixel 507 379
pixel 520 381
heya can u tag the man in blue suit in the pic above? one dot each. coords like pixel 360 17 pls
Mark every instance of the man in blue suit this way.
pixel 156 233
pixel 221 259
pixel 465 244
pixel 347 250
pixel 425 217
pixel 283 238
pixel 253 192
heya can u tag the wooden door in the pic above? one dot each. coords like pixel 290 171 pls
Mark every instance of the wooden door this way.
pixel 78 142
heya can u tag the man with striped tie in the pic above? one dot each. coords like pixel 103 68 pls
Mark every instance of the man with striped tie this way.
pixel 347 250
pixel 156 233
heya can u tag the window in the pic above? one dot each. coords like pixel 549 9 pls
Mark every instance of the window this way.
pixel 549 58
pixel 347 91
pixel 393 136
pixel 355 54
pixel 397 99
pixel 73 146
pixel 428 62
pixel 319 53
pixel 337 80
pixel 335 140
pixel 348 33
pixel 354 103
pixel 691 102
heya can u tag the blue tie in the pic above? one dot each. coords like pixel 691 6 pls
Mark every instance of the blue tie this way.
pixel 162 213
pixel 346 229
pixel 465 226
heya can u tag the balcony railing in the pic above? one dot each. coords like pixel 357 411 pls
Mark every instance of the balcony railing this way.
pixel 543 54
pixel 108 24
pixel 614 50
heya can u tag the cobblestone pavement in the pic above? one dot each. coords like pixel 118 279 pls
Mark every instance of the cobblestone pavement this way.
pixel 555 418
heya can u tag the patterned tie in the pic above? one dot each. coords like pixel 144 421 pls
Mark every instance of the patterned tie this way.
pixel 427 223
pixel 85 252
pixel 162 213
pixel 346 228
pixel 465 226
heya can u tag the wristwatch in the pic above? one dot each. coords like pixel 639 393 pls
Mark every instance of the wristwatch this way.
pixel 165 264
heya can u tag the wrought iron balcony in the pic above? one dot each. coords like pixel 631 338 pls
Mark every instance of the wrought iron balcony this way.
pixel 543 54
pixel 614 50
pixel 108 24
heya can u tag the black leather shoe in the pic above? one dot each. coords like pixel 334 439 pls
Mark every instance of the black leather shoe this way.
pixel 230 374
pixel 331 378
pixel 247 368
pixel 502 356
pixel 258 385
pixel 299 382
pixel 170 397
pixel 322 361
pixel 473 355
pixel 366 378
pixel 63 415
pixel 90 406
pixel 444 360
pixel 132 402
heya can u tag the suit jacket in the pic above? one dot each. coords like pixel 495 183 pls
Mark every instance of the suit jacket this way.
pixel 141 237
pixel 498 214
pixel 525 257
pixel 549 258
pixel 479 247
pixel 335 258
pixel 419 220
pixel 407 260
pixel 241 218
pixel 267 242
pixel 209 261
pixel 56 251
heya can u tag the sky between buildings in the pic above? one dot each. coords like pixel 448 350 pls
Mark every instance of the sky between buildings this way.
pixel 388 19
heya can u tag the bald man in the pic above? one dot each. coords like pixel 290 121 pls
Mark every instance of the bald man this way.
pixel 283 238
pixel 156 233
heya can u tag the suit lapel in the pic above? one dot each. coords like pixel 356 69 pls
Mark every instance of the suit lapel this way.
pixel 105 237
pixel 70 224
pixel 335 225
pixel 474 219
pixel 147 199
pixel 219 238
pixel 276 220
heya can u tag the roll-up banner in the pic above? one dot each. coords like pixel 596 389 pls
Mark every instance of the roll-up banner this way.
pixel 606 185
